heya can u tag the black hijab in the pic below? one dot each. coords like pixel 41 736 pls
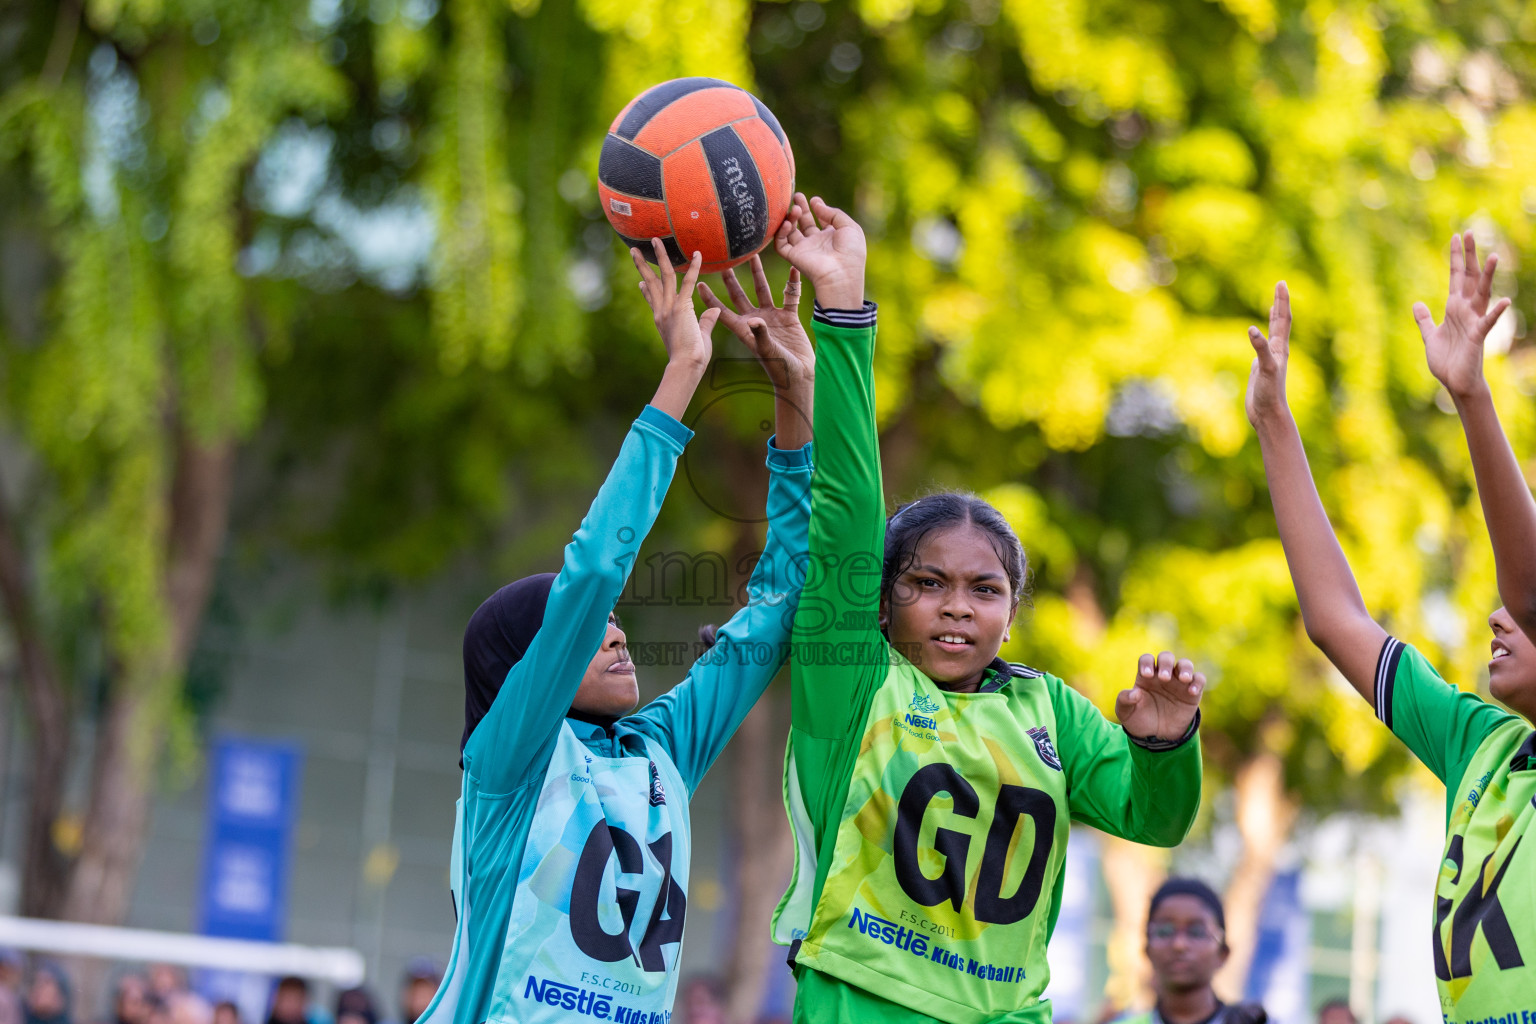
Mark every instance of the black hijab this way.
pixel 496 638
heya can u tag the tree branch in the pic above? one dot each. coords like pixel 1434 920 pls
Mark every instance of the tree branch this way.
pixel 65 29
pixel 47 706
pixel 200 495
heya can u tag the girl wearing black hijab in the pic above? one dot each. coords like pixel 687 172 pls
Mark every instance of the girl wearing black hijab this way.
pixel 571 841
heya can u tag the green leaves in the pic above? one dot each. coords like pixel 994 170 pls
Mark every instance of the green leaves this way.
pixel 476 289
pixel 1074 211
pixel 1082 248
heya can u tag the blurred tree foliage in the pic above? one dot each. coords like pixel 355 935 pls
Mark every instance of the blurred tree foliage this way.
pixel 364 235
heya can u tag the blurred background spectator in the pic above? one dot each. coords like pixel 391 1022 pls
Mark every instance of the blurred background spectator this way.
pixel 417 987
pixel 48 995
pixel 190 1008
pixel 11 968
pixel 701 1000
pixel 1336 1011
pixel 290 1002
pixel 356 1006
pixel 131 1002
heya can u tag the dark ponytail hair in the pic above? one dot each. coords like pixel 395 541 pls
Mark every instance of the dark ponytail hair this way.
pixel 913 521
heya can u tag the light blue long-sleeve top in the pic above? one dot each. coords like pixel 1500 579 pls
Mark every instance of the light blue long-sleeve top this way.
pixel 571 842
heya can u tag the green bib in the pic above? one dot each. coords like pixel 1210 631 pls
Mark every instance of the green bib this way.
pixel 940 891
pixel 1485 899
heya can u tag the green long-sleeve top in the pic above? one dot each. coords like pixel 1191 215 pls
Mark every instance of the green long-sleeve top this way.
pixel 930 826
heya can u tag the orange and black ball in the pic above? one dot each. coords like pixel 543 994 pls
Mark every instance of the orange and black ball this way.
pixel 701 164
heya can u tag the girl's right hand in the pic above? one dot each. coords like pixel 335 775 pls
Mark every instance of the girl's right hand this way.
pixel 683 332
pixel 1454 347
pixel 830 253
pixel 1266 381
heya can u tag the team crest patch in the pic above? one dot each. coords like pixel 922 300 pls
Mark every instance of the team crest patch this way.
pixel 659 795
pixel 1046 748
pixel 923 704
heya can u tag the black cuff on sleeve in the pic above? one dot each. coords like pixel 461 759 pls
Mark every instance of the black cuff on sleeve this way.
pixel 845 317
pixel 1386 675
pixel 1159 745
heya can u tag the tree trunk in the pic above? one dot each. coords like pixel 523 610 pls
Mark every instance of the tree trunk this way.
pixel 44 868
pixel 1265 814
pixel 1134 872
pixel 117 815
pixel 763 852
pixel 199 517
pixel 133 722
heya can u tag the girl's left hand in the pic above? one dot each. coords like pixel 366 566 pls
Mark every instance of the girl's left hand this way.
pixel 773 333
pixel 1163 700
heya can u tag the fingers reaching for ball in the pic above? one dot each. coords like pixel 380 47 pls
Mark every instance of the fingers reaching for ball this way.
pixel 663 261
pixel 647 275
pixel 691 278
pixel 726 314
pixel 760 283
pixel 733 288
pixel 805 219
pixel 792 290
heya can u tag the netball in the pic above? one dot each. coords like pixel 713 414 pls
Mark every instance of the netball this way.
pixel 701 164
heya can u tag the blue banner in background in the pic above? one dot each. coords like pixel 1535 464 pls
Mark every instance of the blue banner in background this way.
pixel 253 798
pixel 1279 974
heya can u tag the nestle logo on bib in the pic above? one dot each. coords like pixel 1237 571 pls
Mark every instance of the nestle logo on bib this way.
pixel 568 997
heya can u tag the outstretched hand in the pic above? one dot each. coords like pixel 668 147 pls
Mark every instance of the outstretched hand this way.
pixel 1454 347
pixel 684 332
pixel 1162 702
pixel 827 246
pixel 773 333
pixel 1266 380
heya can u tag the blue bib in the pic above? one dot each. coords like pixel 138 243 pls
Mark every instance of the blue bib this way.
pixel 597 920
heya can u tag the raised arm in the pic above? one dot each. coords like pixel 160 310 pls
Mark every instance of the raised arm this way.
pixel 838 645
pixel 526 714
pixel 1454 351
pixel 1332 609
pixel 697 718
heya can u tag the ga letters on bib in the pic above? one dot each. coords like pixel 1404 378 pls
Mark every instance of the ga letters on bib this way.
pixel 596 923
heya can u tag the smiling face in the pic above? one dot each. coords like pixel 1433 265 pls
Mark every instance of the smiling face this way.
pixel 609 687
pixel 949 611
pixel 1184 944
pixel 1512 668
